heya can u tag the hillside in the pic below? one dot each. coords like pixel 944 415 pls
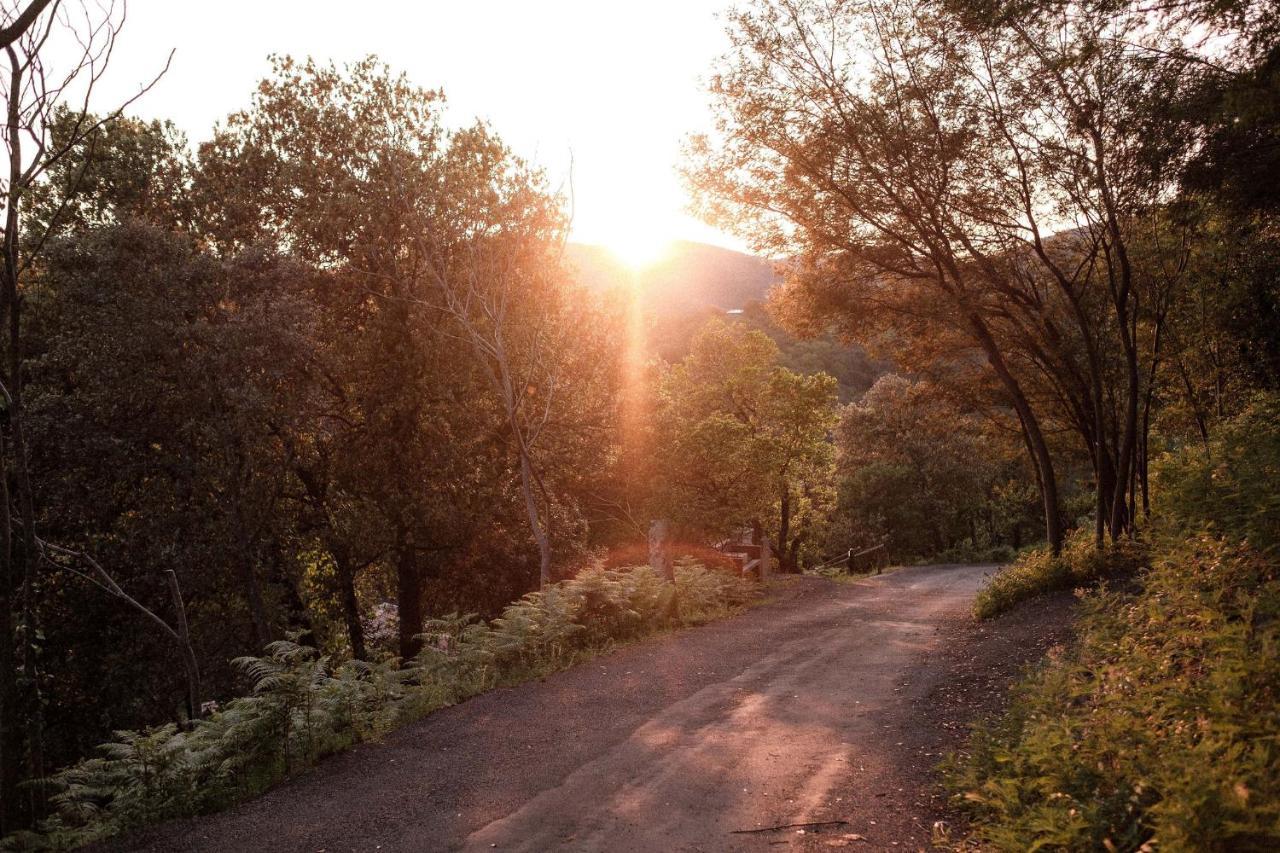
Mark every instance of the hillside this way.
pixel 696 282
pixel 691 276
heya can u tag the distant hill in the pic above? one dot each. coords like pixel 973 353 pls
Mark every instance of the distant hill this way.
pixel 696 282
pixel 690 277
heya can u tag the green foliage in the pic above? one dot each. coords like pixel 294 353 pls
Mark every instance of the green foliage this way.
pixel 224 379
pixel 1157 730
pixel 1230 482
pixel 303 707
pixel 916 472
pixel 1037 571
pixel 746 439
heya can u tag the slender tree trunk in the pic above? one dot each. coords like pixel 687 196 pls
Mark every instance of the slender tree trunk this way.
pixel 793 553
pixel 535 519
pixel 1106 484
pixel 10 730
pixel 1121 292
pixel 1144 438
pixel 408 595
pixel 257 608
pixel 1193 401
pixel 348 601
pixel 1041 457
pixel 344 567
pixel 784 528
pixel 24 555
pixel 1128 444
pixel 184 643
pixel 249 579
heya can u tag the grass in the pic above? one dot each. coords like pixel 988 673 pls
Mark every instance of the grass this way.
pixel 1157 730
pixel 1037 572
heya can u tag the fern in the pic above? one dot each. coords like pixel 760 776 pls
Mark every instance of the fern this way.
pixel 303 707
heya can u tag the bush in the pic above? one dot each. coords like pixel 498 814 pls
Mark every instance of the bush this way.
pixel 1157 730
pixel 303 707
pixel 1037 572
pixel 1230 483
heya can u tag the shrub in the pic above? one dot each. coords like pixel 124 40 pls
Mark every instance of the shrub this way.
pixel 303 707
pixel 1157 730
pixel 1037 571
pixel 1230 483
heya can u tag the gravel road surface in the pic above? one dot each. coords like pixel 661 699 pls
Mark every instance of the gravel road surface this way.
pixel 715 738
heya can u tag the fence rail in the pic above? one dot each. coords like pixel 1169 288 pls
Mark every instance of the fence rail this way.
pixel 880 552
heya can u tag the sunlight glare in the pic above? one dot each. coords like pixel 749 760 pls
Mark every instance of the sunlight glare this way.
pixel 638 249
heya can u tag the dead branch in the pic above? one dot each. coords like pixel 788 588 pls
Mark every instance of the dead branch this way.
pixel 780 827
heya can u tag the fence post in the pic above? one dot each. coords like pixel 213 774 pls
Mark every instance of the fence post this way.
pixel 766 558
pixel 660 549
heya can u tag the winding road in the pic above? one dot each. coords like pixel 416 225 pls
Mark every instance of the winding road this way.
pixel 714 738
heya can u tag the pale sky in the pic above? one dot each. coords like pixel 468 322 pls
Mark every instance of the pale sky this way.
pixel 617 84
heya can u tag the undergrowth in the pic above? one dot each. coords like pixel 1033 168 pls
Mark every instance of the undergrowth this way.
pixel 304 706
pixel 1036 572
pixel 1159 729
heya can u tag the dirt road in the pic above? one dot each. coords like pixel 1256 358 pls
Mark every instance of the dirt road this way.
pixel 795 712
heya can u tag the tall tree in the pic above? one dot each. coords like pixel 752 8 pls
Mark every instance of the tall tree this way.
pixel 745 441
pixel 36 93
pixel 986 189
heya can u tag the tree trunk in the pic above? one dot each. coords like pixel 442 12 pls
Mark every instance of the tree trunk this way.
pixel 1106 482
pixel 297 616
pixel 784 528
pixel 257 608
pixel 1125 457
pixel 249 579
pixel 408 596
pixel 22 552
pixel 10 730
pixel 535 519
pixel 1031 429
pixel 184 643
pixel 793 553
pixel 348 601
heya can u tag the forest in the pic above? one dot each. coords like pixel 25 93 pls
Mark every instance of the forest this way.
pixel 322 422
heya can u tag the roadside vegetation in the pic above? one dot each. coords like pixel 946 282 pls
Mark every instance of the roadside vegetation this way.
pixel 317 381
pixel 1157 728
pixel 1080 564
pixel 323 377
pixel 305 705
pixel 1057 221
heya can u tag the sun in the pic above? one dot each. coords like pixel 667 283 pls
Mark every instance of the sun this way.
pixel 639 249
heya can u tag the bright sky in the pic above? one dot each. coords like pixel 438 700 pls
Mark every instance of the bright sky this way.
pixel 617 85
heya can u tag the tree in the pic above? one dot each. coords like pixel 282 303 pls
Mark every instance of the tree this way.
pixel 494 262
pixel 36 95
pixel 918 473
pixel 155 377
pixel 453 331
pixel 984 192
pixel 858 182
pixel 746 440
